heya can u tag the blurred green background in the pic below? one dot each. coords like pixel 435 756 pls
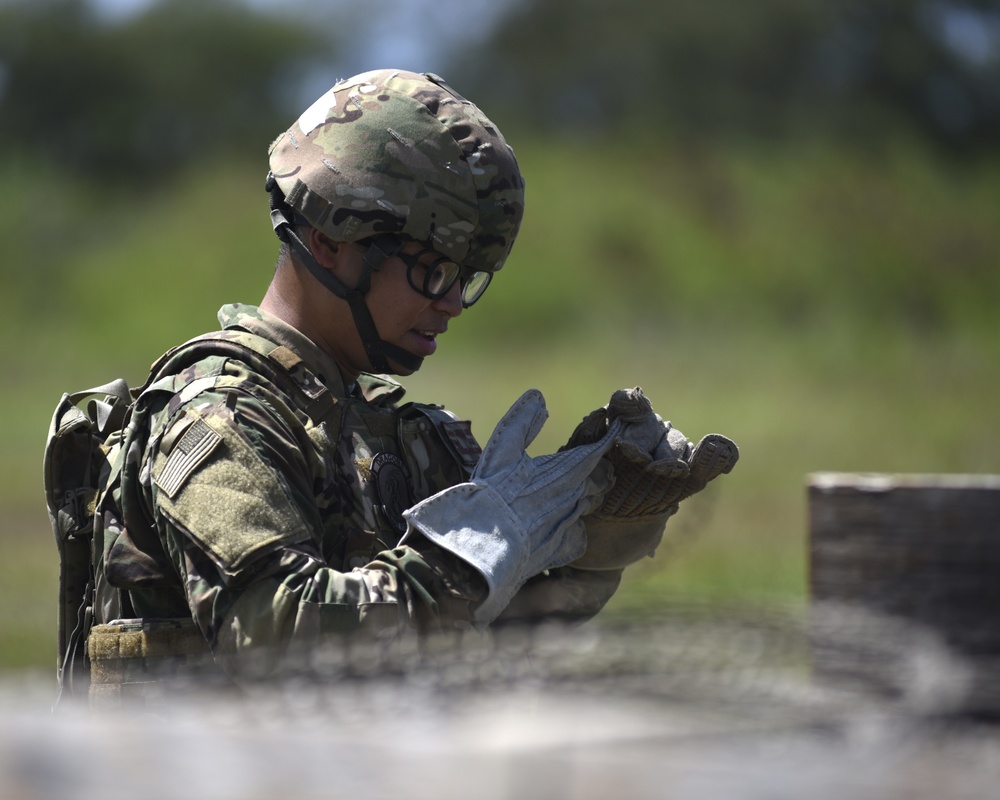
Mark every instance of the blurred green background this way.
pixel 781 219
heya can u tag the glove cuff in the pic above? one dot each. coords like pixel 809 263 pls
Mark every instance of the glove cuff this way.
pixel 471 521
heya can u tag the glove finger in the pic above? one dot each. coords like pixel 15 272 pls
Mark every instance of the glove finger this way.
pixel 516 430
pixel 647 430
pixel 641 485
pixel 631 452
pixel 629 404
pixel 674 444
pixel 714 455
pixel 591 429
pixel 669 468
pixel 574 465
pixel 631 491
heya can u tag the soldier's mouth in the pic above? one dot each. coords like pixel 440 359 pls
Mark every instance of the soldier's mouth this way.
pixel 425 341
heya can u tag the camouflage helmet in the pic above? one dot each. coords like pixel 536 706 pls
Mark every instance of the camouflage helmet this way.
pixel 395 152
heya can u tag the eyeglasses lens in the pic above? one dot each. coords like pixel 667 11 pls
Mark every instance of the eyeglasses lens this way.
pixel 433 275
pixel 474 286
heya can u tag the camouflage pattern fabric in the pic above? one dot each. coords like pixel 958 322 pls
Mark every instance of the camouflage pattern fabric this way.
pixel 268 508
pixel 391 151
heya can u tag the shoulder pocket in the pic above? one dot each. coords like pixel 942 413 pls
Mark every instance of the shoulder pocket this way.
pixel 225 497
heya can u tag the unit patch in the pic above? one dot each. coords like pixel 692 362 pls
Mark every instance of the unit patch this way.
pixel 392 488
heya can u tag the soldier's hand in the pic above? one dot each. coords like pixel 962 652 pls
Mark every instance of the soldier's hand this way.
pixel 656 468
pixel 518 515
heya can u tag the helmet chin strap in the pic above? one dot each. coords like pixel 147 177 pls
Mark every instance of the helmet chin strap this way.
pixel 378 351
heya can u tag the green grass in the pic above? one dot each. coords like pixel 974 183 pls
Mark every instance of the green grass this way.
pixel 28 621
pixel 827 312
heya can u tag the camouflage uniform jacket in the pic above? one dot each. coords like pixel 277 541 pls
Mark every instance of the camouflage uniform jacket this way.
pixel 262 498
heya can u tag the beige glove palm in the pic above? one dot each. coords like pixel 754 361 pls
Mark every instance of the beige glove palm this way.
pixel 656 468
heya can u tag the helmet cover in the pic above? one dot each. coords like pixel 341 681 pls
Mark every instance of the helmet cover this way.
pixel 395 152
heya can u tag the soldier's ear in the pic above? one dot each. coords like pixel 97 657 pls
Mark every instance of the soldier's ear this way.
pixel 331 254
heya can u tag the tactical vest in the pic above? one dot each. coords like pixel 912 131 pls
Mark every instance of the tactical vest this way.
pixel 399 456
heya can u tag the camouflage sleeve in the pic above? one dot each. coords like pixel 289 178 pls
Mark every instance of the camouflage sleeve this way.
pixel 232 498
pixel 565 594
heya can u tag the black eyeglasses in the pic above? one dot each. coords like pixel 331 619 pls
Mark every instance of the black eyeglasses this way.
pixel 433 275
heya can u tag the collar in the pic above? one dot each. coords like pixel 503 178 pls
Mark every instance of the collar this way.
pixel 376 389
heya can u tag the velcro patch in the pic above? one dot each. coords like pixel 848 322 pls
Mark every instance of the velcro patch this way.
pixel 463 443
pixel 193 448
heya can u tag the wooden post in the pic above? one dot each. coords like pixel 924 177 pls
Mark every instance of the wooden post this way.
pixel 923 547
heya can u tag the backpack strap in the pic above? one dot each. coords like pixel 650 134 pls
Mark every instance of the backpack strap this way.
pixel 73 427
pixel 71 472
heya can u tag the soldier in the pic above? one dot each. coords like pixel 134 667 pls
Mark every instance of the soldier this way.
pixel 272 488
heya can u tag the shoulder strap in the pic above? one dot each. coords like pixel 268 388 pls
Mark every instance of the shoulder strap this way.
pixel 72 464
pixel 277 363
pixel 72 426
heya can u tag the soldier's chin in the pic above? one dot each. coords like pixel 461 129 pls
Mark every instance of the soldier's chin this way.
pixel 399 369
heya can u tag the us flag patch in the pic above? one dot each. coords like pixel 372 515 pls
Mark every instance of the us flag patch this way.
pixel 194 447
pixel 462 442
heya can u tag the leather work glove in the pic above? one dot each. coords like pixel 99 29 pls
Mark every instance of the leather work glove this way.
pixel 518 515
pixel 656 468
